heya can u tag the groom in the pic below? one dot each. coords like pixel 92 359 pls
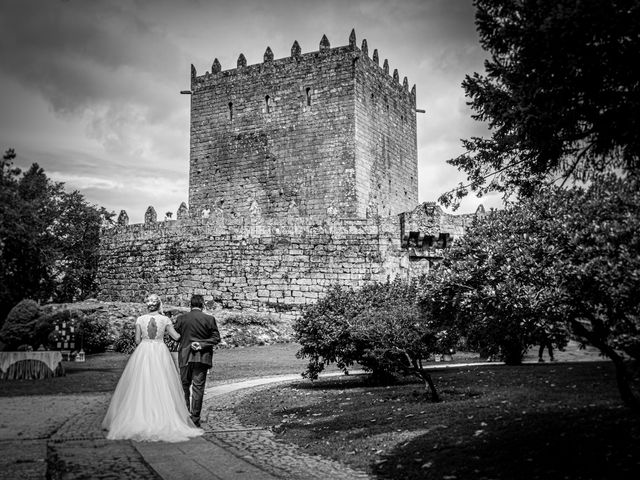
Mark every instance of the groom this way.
pixel 198 334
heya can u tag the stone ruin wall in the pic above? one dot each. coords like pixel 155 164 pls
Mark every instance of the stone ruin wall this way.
pixel 386 140
pixel 268 267
pixel 275 268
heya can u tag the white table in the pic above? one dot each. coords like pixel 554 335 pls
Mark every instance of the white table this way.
pixel 30 365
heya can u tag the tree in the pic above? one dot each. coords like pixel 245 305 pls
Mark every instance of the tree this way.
pixel 48 238
pixel 567 257
pixel 400 336
pixel 9 216
pixel 75 230
pixel 377 326
pixel 560 95
pixel 598 273
pixel 494 282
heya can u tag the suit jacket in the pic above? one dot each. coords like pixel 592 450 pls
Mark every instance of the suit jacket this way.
pixel 196 326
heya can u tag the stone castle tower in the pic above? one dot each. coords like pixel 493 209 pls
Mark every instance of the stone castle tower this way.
pixel 303 175
pixel 321 134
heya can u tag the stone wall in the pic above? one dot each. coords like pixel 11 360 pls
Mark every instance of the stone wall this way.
pixel 327 133
pixel 256 267
pixel 386 141
pixel 268 267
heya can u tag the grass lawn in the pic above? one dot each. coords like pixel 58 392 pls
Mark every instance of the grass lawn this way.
pixel 547 421
pixel 100 373
pixel 231 364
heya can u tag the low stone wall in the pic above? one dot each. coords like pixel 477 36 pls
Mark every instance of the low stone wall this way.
pixel 236 328
pixel 259 267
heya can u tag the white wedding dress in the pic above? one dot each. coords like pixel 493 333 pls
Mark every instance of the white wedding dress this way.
pixel 148 403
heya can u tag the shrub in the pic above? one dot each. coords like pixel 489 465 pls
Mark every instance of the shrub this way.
pixel 93 334
pixel 44 326
pixel 323 332
pixel 20 325
pixel 379 327
pixel 126 342
pixel 245 319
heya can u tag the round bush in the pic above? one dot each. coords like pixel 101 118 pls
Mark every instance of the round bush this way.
pixel 93 334
pixel 126 342
pixel 20 325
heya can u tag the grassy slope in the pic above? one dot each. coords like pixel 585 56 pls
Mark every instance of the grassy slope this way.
pixel 534 421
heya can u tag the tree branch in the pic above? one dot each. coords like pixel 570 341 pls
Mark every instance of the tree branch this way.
pixel 575 164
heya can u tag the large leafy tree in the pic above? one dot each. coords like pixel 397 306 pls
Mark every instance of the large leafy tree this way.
pixel 560 94
pixel 48 238
pixel 565 259
pixel 494 281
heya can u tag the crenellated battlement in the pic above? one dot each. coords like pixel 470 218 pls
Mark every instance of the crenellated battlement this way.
pixel 296 56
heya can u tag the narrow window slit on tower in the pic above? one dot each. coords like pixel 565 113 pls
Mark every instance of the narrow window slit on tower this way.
pixel 267 104
pixel 308 97
pixel 230 110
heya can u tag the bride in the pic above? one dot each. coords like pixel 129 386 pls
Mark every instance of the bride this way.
pixel 148 403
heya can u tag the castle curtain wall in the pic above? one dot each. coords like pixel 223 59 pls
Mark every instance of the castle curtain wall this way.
pixel 257 267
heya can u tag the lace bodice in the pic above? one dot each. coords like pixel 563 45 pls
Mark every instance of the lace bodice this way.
pixel 153 326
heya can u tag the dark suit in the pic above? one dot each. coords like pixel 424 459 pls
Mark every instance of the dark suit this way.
pixel 195 326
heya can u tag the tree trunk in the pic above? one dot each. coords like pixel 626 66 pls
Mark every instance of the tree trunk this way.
pixel 428 384
pixel 623 380
pixel 424 375
pixel 629 397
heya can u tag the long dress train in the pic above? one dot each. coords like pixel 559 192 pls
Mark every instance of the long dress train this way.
pixel 148 402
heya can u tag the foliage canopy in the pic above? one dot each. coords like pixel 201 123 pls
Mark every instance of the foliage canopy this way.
pixel 378 326
pixel 48 238
pixel 564 260
pixel 559 94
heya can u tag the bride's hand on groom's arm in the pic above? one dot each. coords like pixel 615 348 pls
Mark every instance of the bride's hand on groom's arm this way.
pixel 172 332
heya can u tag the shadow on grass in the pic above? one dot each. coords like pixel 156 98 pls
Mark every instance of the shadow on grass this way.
pixel 590 443
pixel 348 382
pixel 551 421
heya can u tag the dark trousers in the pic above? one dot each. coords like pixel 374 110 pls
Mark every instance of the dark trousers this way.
pixel 194 374
pixel 549 347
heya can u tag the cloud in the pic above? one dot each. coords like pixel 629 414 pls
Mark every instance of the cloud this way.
pixel 96 59
pixel 81 182
pixel 95 84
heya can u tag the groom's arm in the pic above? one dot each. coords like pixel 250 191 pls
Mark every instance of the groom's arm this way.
pixel 213 339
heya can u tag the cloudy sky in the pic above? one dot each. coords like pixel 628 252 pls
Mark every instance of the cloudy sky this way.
pixel 90 89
